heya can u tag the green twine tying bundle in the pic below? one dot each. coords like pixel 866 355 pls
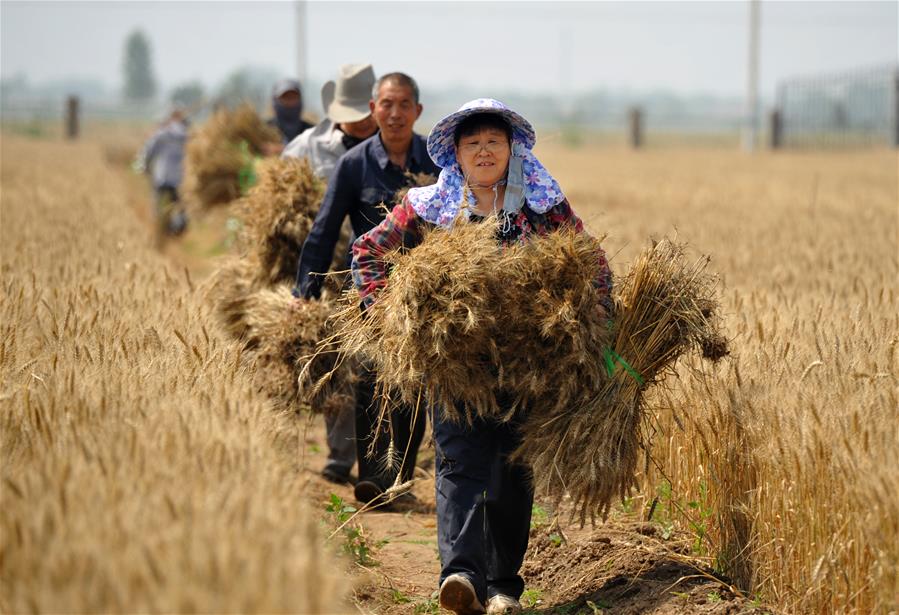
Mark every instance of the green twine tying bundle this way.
pixel 611 357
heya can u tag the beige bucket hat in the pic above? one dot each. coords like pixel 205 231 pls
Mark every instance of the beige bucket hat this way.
pixel 346 100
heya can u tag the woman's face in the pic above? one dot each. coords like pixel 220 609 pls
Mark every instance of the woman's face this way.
pixel 484 157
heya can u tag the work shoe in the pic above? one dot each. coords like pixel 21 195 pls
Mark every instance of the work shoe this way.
pixel 503 605
pixel 367 491
pixel 457 595
pixel 335 476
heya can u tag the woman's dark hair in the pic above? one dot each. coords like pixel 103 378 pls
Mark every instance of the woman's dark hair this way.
pixel 474 124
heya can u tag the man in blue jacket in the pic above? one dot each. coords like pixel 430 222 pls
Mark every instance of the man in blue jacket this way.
pixel 347 123
pixel 366 177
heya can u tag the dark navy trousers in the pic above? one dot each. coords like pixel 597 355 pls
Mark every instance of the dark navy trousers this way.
pixel 483 505
pixel 408 432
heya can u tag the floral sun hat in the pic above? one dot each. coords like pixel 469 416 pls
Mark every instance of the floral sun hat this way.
pixel 527 181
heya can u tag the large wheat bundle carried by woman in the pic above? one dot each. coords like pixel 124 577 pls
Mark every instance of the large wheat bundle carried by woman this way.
pixel 467 324
pixel 221 155
pixel 589 447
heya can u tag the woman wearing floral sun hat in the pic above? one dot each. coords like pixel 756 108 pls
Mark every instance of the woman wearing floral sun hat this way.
pixel 483 502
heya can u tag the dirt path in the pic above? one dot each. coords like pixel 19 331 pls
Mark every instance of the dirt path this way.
pixel 623 566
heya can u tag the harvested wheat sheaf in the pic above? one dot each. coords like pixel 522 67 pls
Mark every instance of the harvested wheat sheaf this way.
pixel 282 334
pixel 277 215
pixel 466 323
pixel 215 157
pixel 665 307
pixel 228 290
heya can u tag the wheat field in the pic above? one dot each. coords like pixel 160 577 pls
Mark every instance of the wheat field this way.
pixel 141 473
pixel 784 458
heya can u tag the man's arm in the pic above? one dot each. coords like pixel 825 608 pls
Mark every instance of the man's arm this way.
pixel 401 228
pixel 318 249
pixel 145 158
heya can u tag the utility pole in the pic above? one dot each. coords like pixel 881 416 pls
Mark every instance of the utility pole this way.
pixel 300 20
pixel 751 125
pixel 72 105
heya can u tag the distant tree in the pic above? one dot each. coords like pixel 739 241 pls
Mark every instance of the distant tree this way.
pixel 140 83
pixel 188 94
pixel 11 87
pixel 247 85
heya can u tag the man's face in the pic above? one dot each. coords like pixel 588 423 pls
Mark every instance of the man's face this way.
pixel 395 111
pixel 289 99
pixel 362 129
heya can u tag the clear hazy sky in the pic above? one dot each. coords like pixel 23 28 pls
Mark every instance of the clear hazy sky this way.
pixel 529 46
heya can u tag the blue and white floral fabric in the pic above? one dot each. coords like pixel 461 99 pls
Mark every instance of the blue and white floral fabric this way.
pixel 440 203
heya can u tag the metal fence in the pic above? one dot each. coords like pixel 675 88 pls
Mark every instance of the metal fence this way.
pixel 846 109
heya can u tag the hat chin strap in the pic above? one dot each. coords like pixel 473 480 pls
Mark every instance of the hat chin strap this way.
pixel 514 198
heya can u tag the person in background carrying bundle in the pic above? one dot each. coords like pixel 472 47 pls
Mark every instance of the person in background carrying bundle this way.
pixel 162 158
pixel 348 122
pixel 483 501
pixel 366 177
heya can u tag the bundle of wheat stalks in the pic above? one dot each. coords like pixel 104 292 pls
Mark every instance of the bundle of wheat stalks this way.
pixel 282 334
pixel 218 151
pixel 518 333
pixel 276 216
pixel 469 323
pixel 250 292
pixel 665 308
pixel 280 338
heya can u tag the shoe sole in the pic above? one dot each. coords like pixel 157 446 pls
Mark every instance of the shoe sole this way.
pixel 458 597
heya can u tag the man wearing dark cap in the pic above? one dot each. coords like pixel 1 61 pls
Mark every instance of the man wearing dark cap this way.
pixel 287 103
